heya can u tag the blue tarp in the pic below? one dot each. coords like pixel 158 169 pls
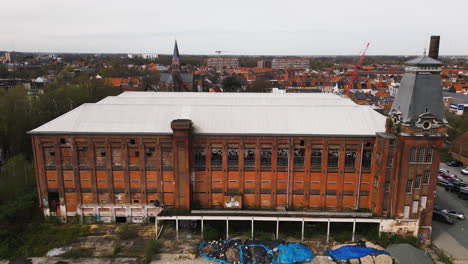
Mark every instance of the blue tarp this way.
pixel 353 252
pixel 292 253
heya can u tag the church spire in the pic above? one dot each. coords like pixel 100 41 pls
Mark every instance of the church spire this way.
pixel 175 56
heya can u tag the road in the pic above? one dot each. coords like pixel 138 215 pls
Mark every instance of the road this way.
pixel 453 239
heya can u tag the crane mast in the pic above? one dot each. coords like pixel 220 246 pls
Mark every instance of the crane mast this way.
pixel 350 84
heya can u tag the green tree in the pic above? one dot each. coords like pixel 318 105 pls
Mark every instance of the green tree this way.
pixel 231 84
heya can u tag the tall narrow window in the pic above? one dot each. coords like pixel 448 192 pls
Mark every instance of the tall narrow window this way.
pixel 417 182
pixel 316 159
pixel 367 159
pixel 333 156
pixel 265 158
pixel 429 155
pixel 233 158
pixel 390 160
pixel 283 157
pixel 200 158
pixel 350 159
pixel 249 158
pixel 216 158
pixel 387 187
pixel 409 186
pixel 421 153
pixel 412 157
pixel 427 177
pixel 167 156
pixel 299 155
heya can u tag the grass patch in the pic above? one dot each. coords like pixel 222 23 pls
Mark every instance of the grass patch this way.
pixel 126 233
pixel 36 239
pixel 442 257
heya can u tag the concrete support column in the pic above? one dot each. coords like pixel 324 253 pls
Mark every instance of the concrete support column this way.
pixel 156 226
pixel 202 227
pixel 252 231
pixel 354 230
pixel 277 228
pixel 227 228
pixel 302 231
pixel 177 227
pixel 328 231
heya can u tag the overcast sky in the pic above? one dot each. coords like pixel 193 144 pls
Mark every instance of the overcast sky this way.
pixel 245 27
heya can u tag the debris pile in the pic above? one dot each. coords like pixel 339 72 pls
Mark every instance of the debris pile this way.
pixel 255 251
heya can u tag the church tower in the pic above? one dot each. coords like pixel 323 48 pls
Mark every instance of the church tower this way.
pixel 176 57
pixel 417 119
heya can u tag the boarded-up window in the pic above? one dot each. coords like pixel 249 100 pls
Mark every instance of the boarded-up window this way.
pixel 83 159
pixel 167 157
pixel 49 156
pixel 66 156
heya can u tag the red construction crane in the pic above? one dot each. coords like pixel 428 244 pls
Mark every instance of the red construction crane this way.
pixel 350 84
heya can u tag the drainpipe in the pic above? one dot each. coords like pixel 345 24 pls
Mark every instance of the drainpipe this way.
pixel 360 175
pixel 289 172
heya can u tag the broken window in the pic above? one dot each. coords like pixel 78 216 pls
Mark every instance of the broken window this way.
pixel 366 159
pixel 233 158
pixel 216 158
pixel 200 158
pixel 316 159
pixel 134 156
pixel 283 157
pixel 350 159
pixel 265 158
pixel 299 157
pixel 116 156
pixel 100 156
pixel 390 160
pixel 249 158
pixel 49 156
pixel 427 177
pixel 150 156
pixel 333 157
pixel 417 182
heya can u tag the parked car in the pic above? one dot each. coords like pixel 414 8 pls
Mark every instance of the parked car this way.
pixel 463 193
pixel 443 171
pixel 454 163
pixel 442 217
pixel 442 181
pixel 447 175
pixel 464 171
pixel 455 184
pixel 454 214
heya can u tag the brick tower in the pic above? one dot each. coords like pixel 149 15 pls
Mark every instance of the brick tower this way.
pixel 418 120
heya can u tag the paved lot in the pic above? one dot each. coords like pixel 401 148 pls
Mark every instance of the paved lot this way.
pixel 452 238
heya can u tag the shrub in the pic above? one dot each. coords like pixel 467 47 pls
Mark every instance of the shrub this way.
pixel 210 233
pixel 77 253
pixel 152 247
pixel 126 233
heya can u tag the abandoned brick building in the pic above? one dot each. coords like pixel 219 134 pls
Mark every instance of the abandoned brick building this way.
pixel 127 156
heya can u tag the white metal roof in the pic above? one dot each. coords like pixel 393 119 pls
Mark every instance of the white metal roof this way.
pixel 229 95
pixel 235 114
pixel 187 100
